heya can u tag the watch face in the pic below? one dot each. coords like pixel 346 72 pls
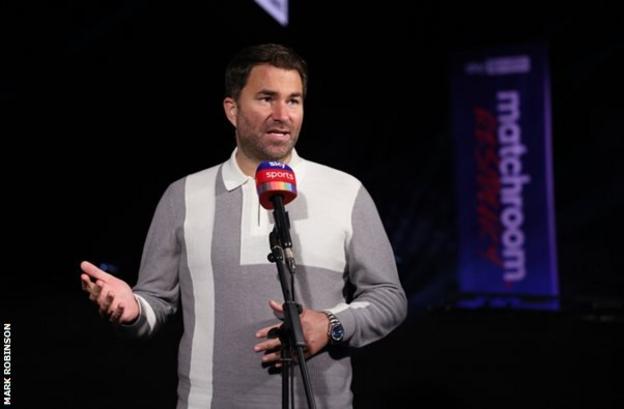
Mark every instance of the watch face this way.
pixel 337 332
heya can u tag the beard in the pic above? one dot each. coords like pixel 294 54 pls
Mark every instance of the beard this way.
pixel 260 147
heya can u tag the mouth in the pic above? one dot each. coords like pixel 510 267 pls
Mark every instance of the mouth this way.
pixel 278 133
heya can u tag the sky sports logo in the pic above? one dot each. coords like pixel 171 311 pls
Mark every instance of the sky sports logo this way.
pixel 277 165
pixel 279 175
pixel 517 64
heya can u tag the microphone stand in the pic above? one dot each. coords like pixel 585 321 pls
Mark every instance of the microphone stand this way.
pixel 290 333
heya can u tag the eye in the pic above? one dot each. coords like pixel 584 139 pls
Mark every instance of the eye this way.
pixel 294 101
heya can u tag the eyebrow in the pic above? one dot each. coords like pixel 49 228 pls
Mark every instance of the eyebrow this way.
pixel 274 93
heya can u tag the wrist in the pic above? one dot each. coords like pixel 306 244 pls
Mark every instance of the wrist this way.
pixel 335 329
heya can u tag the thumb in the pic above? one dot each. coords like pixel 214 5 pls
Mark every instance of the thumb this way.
pixel 277 307
pixel 92 271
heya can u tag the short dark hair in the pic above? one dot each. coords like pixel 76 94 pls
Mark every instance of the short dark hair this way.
pixel 238 69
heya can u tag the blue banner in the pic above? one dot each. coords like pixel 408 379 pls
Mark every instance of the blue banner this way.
pixel 502 131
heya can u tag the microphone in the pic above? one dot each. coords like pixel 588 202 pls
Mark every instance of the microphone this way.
pixel 277 186
pixel 275 179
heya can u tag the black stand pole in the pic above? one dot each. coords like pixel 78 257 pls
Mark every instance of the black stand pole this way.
pixel 290 333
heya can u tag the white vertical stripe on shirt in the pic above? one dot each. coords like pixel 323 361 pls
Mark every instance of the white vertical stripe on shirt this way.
pixel 198 231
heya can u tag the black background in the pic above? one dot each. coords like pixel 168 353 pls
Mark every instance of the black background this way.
pixel 105 103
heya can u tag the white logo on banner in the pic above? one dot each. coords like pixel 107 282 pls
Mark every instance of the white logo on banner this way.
pixel 518 64
pixel 278 9
pixel 512 182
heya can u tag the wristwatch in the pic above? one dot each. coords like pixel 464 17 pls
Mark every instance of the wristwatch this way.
pixel 336 330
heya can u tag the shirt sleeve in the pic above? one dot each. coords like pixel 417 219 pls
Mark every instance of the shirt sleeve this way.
pixel 157 288
pixel 379 304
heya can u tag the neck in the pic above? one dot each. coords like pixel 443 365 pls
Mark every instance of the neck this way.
pixel 249 165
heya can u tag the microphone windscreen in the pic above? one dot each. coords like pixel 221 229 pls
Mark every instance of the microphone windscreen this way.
pixel 275 178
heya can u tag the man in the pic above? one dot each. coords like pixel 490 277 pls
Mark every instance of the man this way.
pixel 207 248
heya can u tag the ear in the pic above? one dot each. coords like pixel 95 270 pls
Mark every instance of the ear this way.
pixel 231 110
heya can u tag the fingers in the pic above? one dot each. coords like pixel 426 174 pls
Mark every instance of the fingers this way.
pixel 112 308
pixel 92 271
pixel 277 307
pixel 270 343
pixel 103 293
pixel 93 289
pixel 106 300
pixel 270 347
pixel 85 282
pixel 272 358
pixel 88 285
pixel 94 295
pixel 116 314
pixel 264 332
pixel 113 296
pixel 267 345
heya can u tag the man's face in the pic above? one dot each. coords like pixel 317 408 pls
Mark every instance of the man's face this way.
pixel 268 113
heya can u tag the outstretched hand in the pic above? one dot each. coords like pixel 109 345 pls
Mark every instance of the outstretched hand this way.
pixel 113 296
pixel 314 324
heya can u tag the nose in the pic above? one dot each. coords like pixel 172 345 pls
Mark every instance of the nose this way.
pixel 280 111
